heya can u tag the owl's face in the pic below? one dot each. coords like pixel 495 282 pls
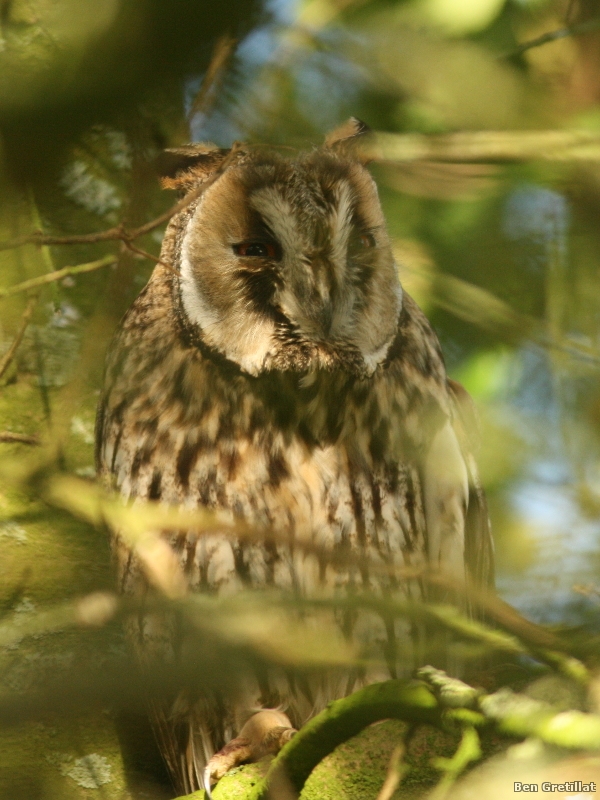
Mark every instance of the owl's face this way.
pixel 287 265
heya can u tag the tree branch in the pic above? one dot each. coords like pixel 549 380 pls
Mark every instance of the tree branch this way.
pixel 6 360
pixel 57 275
pixel 97 507
pixel 571 30
pixel 149 256
pixel 118 233
pixel 486 146
pixel 8 437
pixel 342 719
pixel 221 54
pixel 395 773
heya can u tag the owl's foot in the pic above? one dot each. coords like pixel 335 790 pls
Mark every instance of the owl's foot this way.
pixel 264 733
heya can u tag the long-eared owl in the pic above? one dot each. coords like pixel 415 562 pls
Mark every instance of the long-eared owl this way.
pixel 274 369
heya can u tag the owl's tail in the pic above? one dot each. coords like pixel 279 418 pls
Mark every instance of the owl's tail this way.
pixel 185 742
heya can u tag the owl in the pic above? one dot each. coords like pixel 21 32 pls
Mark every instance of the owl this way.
pixel 274 370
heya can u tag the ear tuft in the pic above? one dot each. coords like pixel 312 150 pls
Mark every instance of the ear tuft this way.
pixel 349 138
pixel 347 133
pixel 184 167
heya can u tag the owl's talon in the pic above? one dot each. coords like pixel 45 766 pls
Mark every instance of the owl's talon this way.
pixel 206 783
pixel 237 751
pixel 264 733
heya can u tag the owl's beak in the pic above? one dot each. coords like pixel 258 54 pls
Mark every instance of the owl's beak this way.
pixel 324 292
pixel 325 318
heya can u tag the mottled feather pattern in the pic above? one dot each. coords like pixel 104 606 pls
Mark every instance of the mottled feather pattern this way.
pixel 274 452
pixel 289 382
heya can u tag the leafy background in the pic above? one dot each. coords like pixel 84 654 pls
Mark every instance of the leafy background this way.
pixel 495 228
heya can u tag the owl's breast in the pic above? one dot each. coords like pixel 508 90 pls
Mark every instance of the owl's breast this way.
pixel 315 498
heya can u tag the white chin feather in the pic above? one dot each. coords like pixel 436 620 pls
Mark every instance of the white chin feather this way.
pixel 245 338
pixel 373 360
pixel 376 357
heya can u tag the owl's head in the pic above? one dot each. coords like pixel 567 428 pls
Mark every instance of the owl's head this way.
pixel 285 263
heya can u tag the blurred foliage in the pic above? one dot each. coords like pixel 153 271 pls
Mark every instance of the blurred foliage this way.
pixel 488 165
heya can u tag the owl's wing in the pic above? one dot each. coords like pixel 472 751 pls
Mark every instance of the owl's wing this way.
pixel 459 542
pixel 479 545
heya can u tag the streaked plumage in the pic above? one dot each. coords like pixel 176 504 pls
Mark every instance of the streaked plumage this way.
pixel 277 371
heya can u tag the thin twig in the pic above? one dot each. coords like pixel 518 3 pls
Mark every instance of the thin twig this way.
pixel 221 55
pixel 125 237
pixel 118 233
pixel 39 238
pixel 395 773
pixel 483 309
pixel 486 146
pixel 146 254
pixel 57 275
pixel 162 218
pixel 10 353
pixel 99 508
pixel 571 30
pixel 8 437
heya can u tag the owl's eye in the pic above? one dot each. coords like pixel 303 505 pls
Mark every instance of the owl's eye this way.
pixel 359 242
pixel 256 249
pixel 367 240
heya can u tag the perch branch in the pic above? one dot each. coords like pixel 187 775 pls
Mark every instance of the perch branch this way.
pixel 342 719
pixel 511 714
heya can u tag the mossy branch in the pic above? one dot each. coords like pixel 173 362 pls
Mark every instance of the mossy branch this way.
pixel 342 719
pixel 511 714
pixel 518 715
